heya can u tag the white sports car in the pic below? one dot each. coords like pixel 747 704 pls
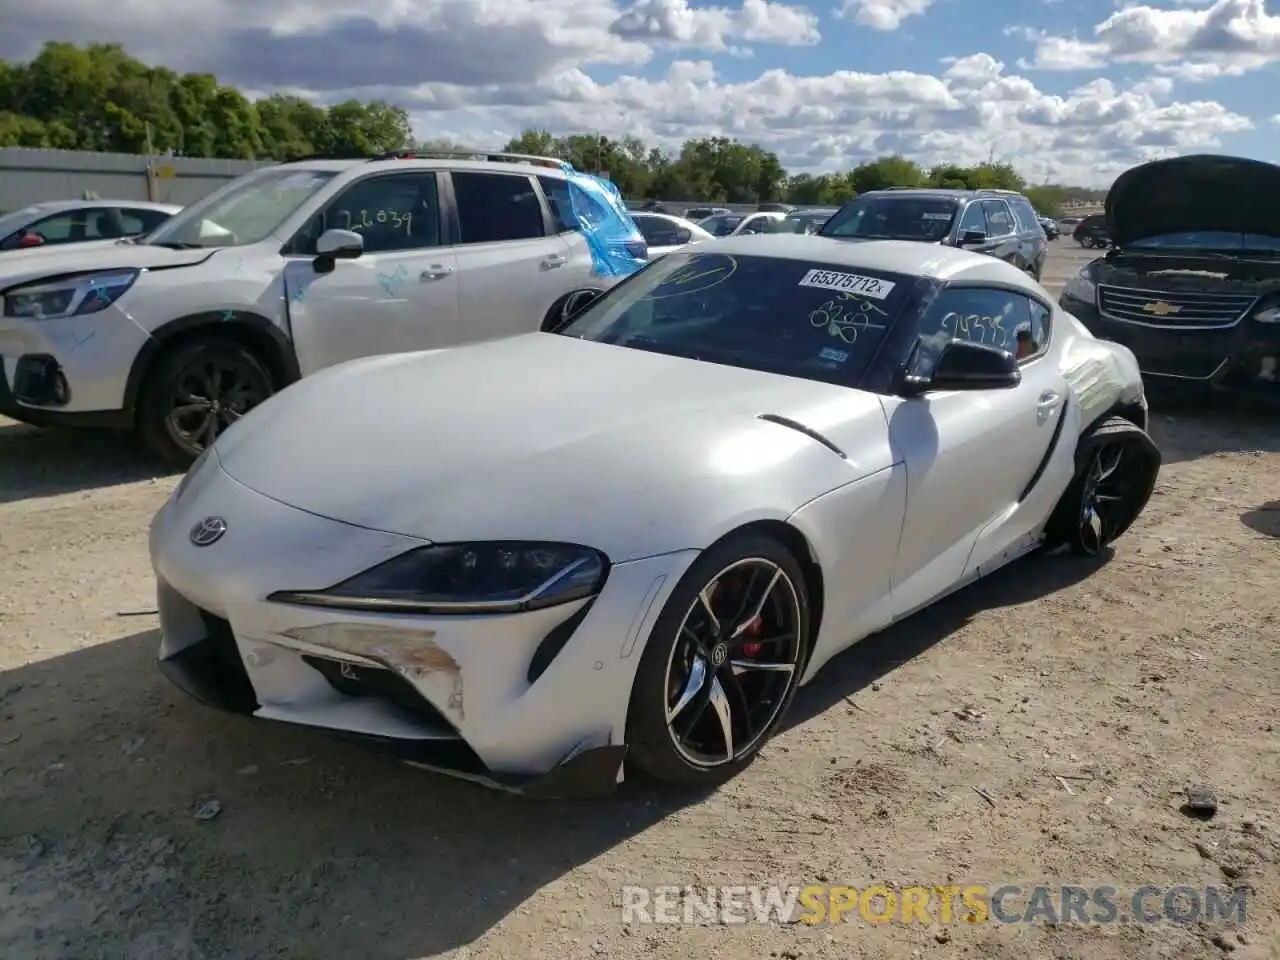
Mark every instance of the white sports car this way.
pixel 540 561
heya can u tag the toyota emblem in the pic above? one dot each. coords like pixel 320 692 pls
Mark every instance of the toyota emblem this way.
pixel 208 531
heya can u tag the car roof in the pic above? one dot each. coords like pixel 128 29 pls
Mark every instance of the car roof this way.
pixel 419 163
pixel 53 206
pixel 891 256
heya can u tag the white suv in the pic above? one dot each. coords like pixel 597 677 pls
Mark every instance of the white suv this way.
pixel 293 268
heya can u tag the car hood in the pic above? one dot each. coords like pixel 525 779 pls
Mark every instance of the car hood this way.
pixel 20 266
pixel 1194 194
pixel 553 438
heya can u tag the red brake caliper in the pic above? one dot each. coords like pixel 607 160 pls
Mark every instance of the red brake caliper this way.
pixel 750 649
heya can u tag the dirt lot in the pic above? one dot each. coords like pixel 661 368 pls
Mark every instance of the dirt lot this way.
pixel 1150 672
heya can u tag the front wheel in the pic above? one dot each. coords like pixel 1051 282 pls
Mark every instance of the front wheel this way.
pixel 1117 464
pixel 722 664
pixel 195 392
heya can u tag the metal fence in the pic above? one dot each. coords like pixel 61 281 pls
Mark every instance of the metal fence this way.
pixel 30 176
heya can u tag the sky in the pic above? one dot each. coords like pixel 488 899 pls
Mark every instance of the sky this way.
pixel 1068 91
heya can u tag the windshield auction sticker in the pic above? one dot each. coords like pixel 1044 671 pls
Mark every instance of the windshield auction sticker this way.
pixel 848 282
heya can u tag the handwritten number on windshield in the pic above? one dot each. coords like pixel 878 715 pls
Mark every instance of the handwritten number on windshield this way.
pixel 845 314
pixel 700 274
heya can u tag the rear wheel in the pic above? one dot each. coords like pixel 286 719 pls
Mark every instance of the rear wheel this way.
pixel 722 664
pixel 195 392
pixel 1116 469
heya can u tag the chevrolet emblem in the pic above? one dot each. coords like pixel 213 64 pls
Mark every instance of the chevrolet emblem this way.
pixel 1160 308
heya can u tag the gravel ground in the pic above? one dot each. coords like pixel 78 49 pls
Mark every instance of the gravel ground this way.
pixel 927 755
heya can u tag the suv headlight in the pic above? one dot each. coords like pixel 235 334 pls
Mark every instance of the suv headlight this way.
pixel 1081 286
pixel 497 576
pixel 1269 315
pixel 68 296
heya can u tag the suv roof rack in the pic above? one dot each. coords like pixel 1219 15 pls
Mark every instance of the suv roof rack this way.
pixel 998 191
pixel 429 153
pixel 410 153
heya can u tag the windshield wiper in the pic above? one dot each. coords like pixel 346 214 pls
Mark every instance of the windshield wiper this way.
pixel 176 245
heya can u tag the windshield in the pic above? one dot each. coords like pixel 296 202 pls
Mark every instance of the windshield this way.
pixel 805 223
pixel 720 226
pixel 793 317
pixel 1209 240
pixel 245 211
pixel 893 218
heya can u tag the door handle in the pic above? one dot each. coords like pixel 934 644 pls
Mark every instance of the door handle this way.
pixel 1045 408
pixel 436 271
pixel 553 261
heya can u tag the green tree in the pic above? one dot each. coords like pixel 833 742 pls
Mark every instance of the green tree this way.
pixel 884 172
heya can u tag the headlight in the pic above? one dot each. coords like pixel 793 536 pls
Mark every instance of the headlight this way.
pixel 1081 286
pixel 68 297
pixel 1269 315
pixel 490 577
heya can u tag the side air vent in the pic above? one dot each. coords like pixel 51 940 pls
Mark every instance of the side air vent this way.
pixel 801 428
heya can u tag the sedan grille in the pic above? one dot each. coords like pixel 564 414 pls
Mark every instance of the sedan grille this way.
pixel 1172 309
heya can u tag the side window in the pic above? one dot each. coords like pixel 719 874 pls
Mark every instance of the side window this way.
pixel 997 318
pixel 1025 215
pixel 999 219
pixel 657 232
pixel 70 227
pixel 557 191
pixel 493 207
pixel 973 219
pixel 142 221
pixel 1038 333
pixel 400 211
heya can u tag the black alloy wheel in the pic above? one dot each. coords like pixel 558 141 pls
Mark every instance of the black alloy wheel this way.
pixel 722 664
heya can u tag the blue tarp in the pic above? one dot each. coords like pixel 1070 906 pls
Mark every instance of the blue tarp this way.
pixel 601 215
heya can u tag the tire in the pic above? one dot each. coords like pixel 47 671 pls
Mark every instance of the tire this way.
pixel 232 375
pixel 748 701
pixel 1116 469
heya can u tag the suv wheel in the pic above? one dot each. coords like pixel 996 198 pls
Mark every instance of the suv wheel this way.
pixel 195 392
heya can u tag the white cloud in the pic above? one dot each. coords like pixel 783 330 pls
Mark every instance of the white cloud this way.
pixel 882 14
pixel 480 71
pixel 676 23
pixel 1193 41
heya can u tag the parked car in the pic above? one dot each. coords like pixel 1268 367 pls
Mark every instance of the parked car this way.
pixel 1068 224
pixel 645 532
pixel 775 208
pixel 808 220
pixel 733 224
pixel 60 222
pixel 697 214
pixel 1051 231
pixel 291 269
pixel 1092 232
pixel 1192 287
pixel 999 223
pixel 664 232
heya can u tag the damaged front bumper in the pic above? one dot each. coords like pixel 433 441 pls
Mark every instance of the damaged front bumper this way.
pixel 532 703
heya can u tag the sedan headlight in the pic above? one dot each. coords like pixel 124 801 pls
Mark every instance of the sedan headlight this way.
pixel 1081 286
pixel 69 296
pixel 497 576
pixel 1269 315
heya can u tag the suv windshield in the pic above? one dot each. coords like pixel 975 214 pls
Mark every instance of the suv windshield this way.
pixel 720 226
pixel 893 218
pixel 1207 240
pixel 793 317
pixel 245 211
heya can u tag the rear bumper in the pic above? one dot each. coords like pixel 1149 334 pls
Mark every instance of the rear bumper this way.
pixel 1242 358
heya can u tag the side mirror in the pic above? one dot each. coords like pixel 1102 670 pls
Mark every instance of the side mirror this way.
pixel 340 244
pixel 31 240
pixel 574 306
pixel 964 365
pixel 973 236
pixel 683 235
